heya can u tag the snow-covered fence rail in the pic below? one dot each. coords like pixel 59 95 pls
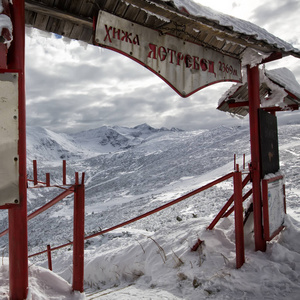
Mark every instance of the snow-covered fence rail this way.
pixel 237 198
pixel 46 206
pixel 225 212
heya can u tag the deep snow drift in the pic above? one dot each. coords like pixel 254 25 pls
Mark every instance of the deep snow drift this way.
pixel 130 171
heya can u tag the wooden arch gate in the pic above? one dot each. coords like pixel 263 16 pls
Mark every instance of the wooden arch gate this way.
pixel 209 52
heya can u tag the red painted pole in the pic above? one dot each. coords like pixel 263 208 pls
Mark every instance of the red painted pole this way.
pixel 254 104
pixel 3 55
pixel 18 249
pixel 45 207
pixel 223 212
pixel 78 243
pixel 239 220
pixel 64 172
pixel 35 179
pixel 49 257
pixel 48 179
pixel 234 162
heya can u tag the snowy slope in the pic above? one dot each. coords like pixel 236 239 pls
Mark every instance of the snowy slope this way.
pixel 130 171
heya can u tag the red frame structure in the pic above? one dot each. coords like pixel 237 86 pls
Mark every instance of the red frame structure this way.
pixel 239 219
pixel 254 105
pixel 18 239
pixel 14 61
pixel 79 229
pixel 78 189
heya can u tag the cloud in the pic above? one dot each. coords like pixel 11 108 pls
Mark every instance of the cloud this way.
pixel 72 87
pixel 279 18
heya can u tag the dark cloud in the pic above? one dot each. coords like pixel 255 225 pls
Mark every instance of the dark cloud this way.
pixel 72 87
pixel 279 18
pixel 273 11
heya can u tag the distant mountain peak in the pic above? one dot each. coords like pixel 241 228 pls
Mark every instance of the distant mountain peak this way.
pixel 145 126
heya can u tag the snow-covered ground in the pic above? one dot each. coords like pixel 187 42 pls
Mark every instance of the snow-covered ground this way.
pixel 130 171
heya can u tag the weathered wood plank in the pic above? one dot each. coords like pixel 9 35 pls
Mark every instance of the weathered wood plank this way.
pixel 56 13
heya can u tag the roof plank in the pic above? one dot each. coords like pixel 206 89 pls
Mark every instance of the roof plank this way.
pixel 49 11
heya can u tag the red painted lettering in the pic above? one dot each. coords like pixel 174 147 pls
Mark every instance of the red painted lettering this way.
pixel 203 64
pixel 211 67
pixel 107 33
pixel 162 53
pixel 196 65
pixel 172 52
pixel 179 58
pixel 126 37
pixel 116 31
pixel 136 40
pixel 152 51
pixel 188 61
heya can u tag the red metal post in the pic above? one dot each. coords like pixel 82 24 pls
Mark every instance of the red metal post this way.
pixel 35 179
pixel 230 211
pixel 254 104
pixel 49 257
pixel 78 243
pixel 3 56
pixel 76 178
pixel 223 212
pixel 64 172
pixel 234 162
pixel 239 220
pixel 47 179
pixel 45 207
pixel 18 249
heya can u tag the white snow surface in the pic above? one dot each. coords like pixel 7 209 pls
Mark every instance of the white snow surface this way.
pixel 236 24
pixel 276 98
pixel 285 78
pixel 130 171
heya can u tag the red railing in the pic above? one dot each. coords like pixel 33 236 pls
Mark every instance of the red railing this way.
pixel 78 243
pixel 186 196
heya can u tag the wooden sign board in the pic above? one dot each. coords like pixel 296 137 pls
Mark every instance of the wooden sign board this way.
pixel 274 207
pixel 185 66
pixel 9 136
pixel 269 151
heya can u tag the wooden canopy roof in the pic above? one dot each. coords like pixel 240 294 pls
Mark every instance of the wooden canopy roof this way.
pixel 279 84
pixel 74 19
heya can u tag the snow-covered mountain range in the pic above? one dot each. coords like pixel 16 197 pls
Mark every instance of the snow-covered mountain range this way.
pixel 130 171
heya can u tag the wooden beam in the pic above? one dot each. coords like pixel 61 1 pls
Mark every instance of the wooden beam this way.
pixel 272 57
pixel 40 8
pixel 277 108
pixel 238 104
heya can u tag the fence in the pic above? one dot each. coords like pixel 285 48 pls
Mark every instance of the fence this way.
pixel 78 243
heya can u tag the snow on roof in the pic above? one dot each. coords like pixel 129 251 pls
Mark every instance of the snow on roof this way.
pixel 5 23
pixel 276 83
pixel 237 25
pixel 285 78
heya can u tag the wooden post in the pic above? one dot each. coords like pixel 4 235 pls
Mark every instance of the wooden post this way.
pixel 35 179
pixel 64 172
pixel 49 257
pixel 78 244
pixel 18 249
pixel 254 104
pixel 238 218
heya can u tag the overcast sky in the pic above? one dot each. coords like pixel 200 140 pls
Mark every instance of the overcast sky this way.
pixel 72 87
